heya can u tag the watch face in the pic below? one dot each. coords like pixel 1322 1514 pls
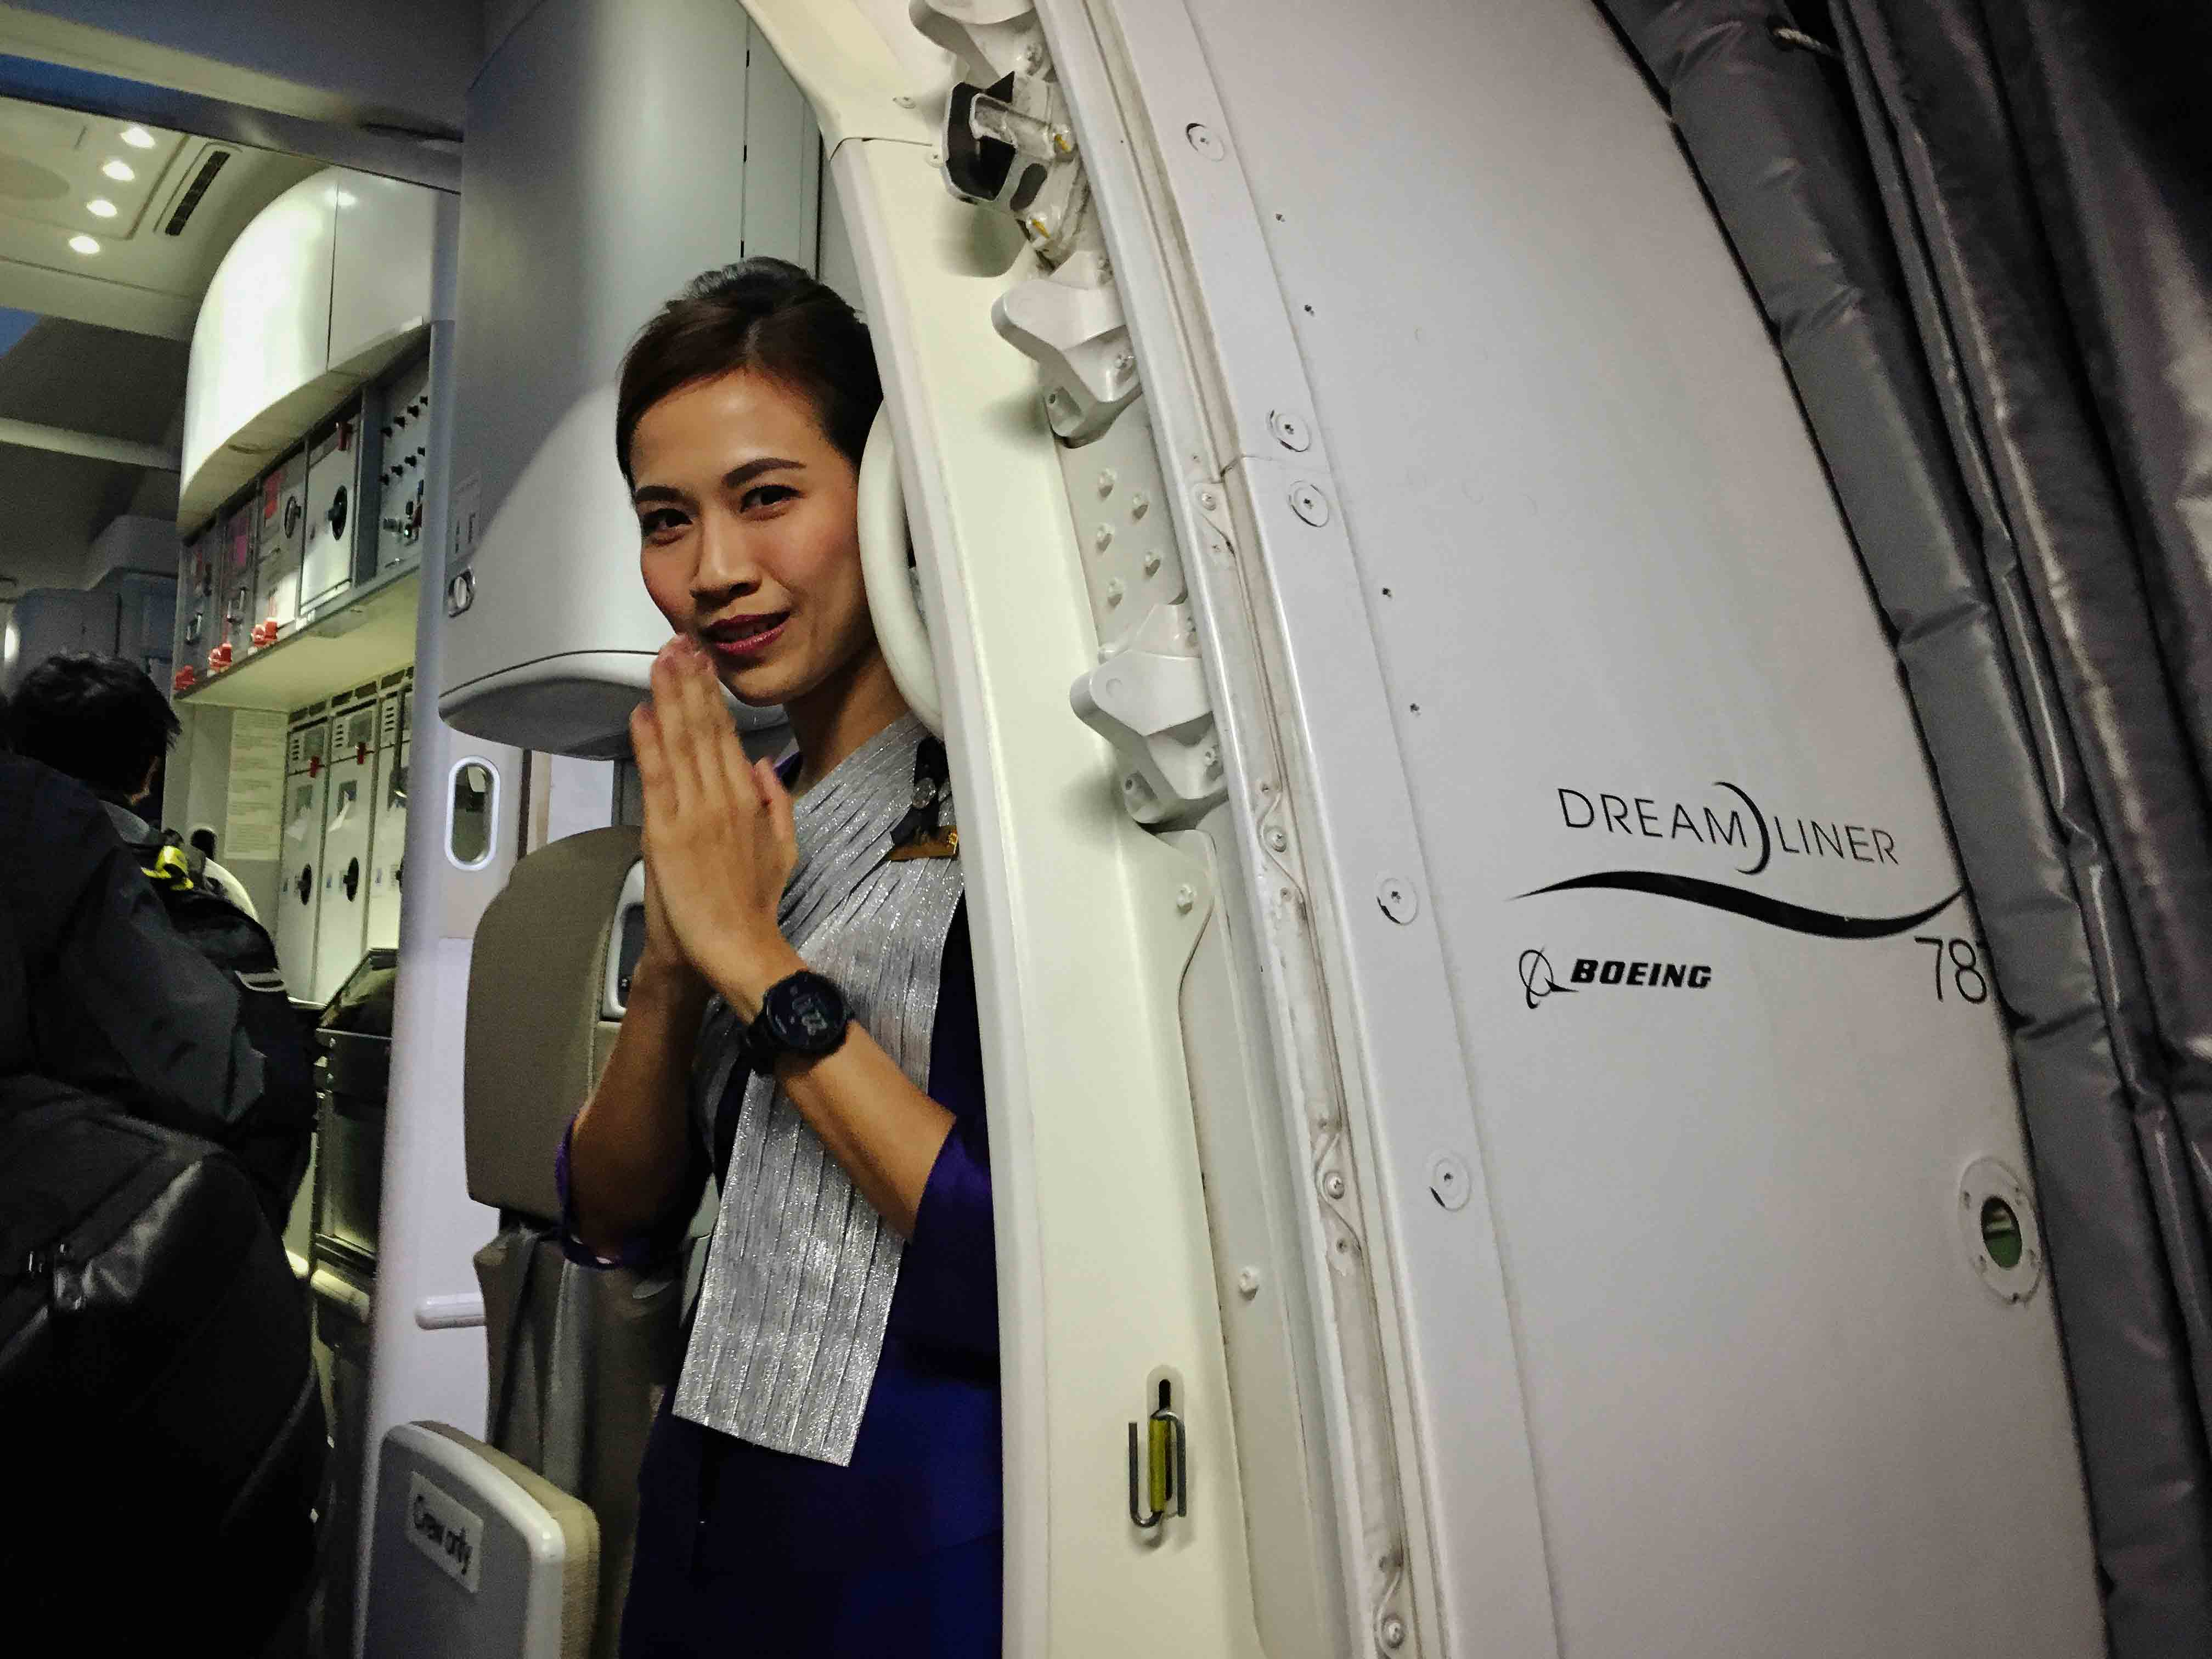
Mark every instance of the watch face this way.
pixel 807 1013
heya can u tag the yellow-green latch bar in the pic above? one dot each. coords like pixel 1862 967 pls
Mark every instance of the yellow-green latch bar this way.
pixel 1159 1473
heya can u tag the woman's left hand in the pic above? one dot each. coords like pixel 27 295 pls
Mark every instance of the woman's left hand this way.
pixel 719 841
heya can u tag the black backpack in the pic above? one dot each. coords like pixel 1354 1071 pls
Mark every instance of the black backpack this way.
pixel 271 1141
pixel 161 1423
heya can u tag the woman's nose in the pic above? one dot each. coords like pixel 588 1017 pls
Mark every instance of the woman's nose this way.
pixel 726 568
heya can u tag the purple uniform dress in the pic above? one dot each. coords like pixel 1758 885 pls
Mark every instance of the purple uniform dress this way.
pixel 741 1549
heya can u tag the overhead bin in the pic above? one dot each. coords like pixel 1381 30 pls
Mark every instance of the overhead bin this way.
pixel 327 286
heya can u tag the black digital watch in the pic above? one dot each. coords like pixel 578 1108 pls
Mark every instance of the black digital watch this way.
pixel 805 1015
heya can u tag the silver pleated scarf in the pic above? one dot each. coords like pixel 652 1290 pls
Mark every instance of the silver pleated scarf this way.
pixel 793 1308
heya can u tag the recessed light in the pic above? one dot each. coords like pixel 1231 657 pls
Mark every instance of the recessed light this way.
pixel 100 208
pixel 83 244
pixel 119 171
pixel 137 137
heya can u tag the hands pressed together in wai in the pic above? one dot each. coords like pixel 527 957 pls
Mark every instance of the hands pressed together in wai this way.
pixel 719 841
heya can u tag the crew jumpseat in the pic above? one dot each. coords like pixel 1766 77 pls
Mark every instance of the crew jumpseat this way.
pixel 477 1546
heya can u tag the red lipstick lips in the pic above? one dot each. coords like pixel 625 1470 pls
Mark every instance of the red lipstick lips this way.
pixel 738 639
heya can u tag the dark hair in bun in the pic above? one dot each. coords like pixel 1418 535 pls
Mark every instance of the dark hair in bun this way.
pixel 764 317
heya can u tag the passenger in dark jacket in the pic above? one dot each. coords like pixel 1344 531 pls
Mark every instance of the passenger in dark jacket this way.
pixel 100 992
pixel 103 994
pixel 110 998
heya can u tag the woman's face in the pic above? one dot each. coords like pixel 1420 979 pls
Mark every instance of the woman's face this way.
pixel 748 517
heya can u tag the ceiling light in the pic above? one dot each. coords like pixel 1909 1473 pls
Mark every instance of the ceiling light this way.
pixel 83 244
pixel 100 208
pixel 118 171
pixel 137 137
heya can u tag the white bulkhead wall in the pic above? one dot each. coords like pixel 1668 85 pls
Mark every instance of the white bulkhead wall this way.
pixel 614 152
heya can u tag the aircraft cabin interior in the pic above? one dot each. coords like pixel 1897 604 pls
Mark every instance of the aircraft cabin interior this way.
pixel 1133 825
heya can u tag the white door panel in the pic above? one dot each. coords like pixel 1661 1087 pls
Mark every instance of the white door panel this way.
pixel 342 930
pixel 333 512
pixel 1729 1049
pixel 283 499
pixel 299 877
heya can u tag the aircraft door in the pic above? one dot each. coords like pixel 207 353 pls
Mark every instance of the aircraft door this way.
pixel 306 779
pixel 1697 1149
pixel 340 932
pixel 388 821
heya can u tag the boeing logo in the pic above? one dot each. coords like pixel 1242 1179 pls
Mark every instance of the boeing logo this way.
pixel 1537 981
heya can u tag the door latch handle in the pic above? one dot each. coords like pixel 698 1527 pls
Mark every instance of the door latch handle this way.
pixel 1159 1469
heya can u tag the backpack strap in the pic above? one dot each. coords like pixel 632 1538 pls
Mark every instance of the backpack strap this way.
pixel 168 863
pixel 169 868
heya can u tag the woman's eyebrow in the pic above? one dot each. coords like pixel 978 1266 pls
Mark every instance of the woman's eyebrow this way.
pixel 736 478
pixel 739 476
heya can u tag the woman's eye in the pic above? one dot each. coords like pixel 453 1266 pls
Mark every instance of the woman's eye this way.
pixel 762 495
pixel 659 524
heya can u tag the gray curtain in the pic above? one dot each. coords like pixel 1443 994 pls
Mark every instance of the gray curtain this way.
pixel 1983 242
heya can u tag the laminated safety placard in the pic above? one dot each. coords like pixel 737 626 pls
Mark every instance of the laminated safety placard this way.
pixel 443 1530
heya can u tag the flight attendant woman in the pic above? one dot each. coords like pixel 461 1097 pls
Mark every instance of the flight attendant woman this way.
pixel 823 1477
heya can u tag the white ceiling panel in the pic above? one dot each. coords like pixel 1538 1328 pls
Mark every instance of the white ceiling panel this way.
pixel 159 208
